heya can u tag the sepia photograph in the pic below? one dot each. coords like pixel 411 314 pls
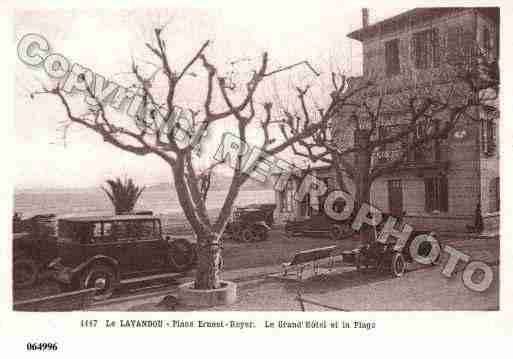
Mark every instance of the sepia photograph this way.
pixel 341 158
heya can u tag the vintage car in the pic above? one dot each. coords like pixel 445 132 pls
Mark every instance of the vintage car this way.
pixel 101 251
pixel 34 246
pixel 320 223
pixel 386 257
pixel 251 223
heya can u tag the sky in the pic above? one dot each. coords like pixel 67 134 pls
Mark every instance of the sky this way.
pixel 107 40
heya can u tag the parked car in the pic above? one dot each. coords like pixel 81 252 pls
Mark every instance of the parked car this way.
pixel 101 251
pixel 34 246
pixel 386 257
pixel 251 223
pixel 320 223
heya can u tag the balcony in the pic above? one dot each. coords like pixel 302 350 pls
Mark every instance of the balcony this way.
pixel 430 159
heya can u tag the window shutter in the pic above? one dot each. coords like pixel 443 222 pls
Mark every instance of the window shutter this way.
pixel 444 194
pixel 493 131
pixel 490 138
pixel 381 132
pixel 435 42
pixel 483 136
pixel 453 45
pixel 498 194
pixel 388 54
pixel 413 50
pixel 410 148
pixel 397 62
pixel 392 48
pixel 428 185
pixel 486 40
pixel 290 200
pixel 468 46
pixel 491 196
pixel 428 48
pixel 494 195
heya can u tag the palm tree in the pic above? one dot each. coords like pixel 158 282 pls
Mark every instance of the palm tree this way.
pixel 123 194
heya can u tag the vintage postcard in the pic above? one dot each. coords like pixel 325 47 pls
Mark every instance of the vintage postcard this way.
pixel 177 161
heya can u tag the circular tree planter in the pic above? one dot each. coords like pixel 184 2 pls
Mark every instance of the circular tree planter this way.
pixel 224 295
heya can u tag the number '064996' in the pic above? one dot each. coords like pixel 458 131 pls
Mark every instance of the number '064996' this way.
pixel 42 346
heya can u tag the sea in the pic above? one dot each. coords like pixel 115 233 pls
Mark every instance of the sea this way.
pixel 92 201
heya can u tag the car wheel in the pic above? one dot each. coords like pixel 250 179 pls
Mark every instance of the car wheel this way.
pixel 103 278
pixel 237 233
pixel 181 255
pixel 339 232
pixel 425 249
pixel 254 234
pixel 25 273
pixel 398 265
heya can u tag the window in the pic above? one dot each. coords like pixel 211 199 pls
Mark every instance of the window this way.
pixel 435 47
pixel 454 41
pixel 395 197
pixel 392 57
pixel 436 191
pixel 429 150
pixel 437 143
pixel 426 49
pixel 489 132
pixel 420 50
pixel 383 133
pixel 122 230
pixel 107 229
pixel 84 232
pixel 495 195
pixel 97 229
pixel 66 229
pixel 460 46
pixel 108 234
pixel 486 40
pixel 145 229
pixel 395 149
pixel 382 154
pixel 490 137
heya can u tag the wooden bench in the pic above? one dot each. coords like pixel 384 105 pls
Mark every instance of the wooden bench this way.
pixel 309 258
pixel 62 302
pixel 312 257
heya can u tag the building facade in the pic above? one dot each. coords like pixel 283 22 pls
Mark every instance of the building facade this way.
pixel 446 183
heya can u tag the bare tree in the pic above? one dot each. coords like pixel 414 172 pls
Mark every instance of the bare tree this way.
pixel 355 134
pixel 144 134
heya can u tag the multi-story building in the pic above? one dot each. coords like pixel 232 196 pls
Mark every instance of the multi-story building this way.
pixel 442 185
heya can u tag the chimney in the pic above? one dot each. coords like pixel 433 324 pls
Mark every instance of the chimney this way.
pixel 365 17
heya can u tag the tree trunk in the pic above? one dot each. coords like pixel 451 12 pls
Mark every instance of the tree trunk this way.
pixel 209 262
pixel 363 187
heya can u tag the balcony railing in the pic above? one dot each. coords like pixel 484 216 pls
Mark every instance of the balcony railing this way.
pixel 433 158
